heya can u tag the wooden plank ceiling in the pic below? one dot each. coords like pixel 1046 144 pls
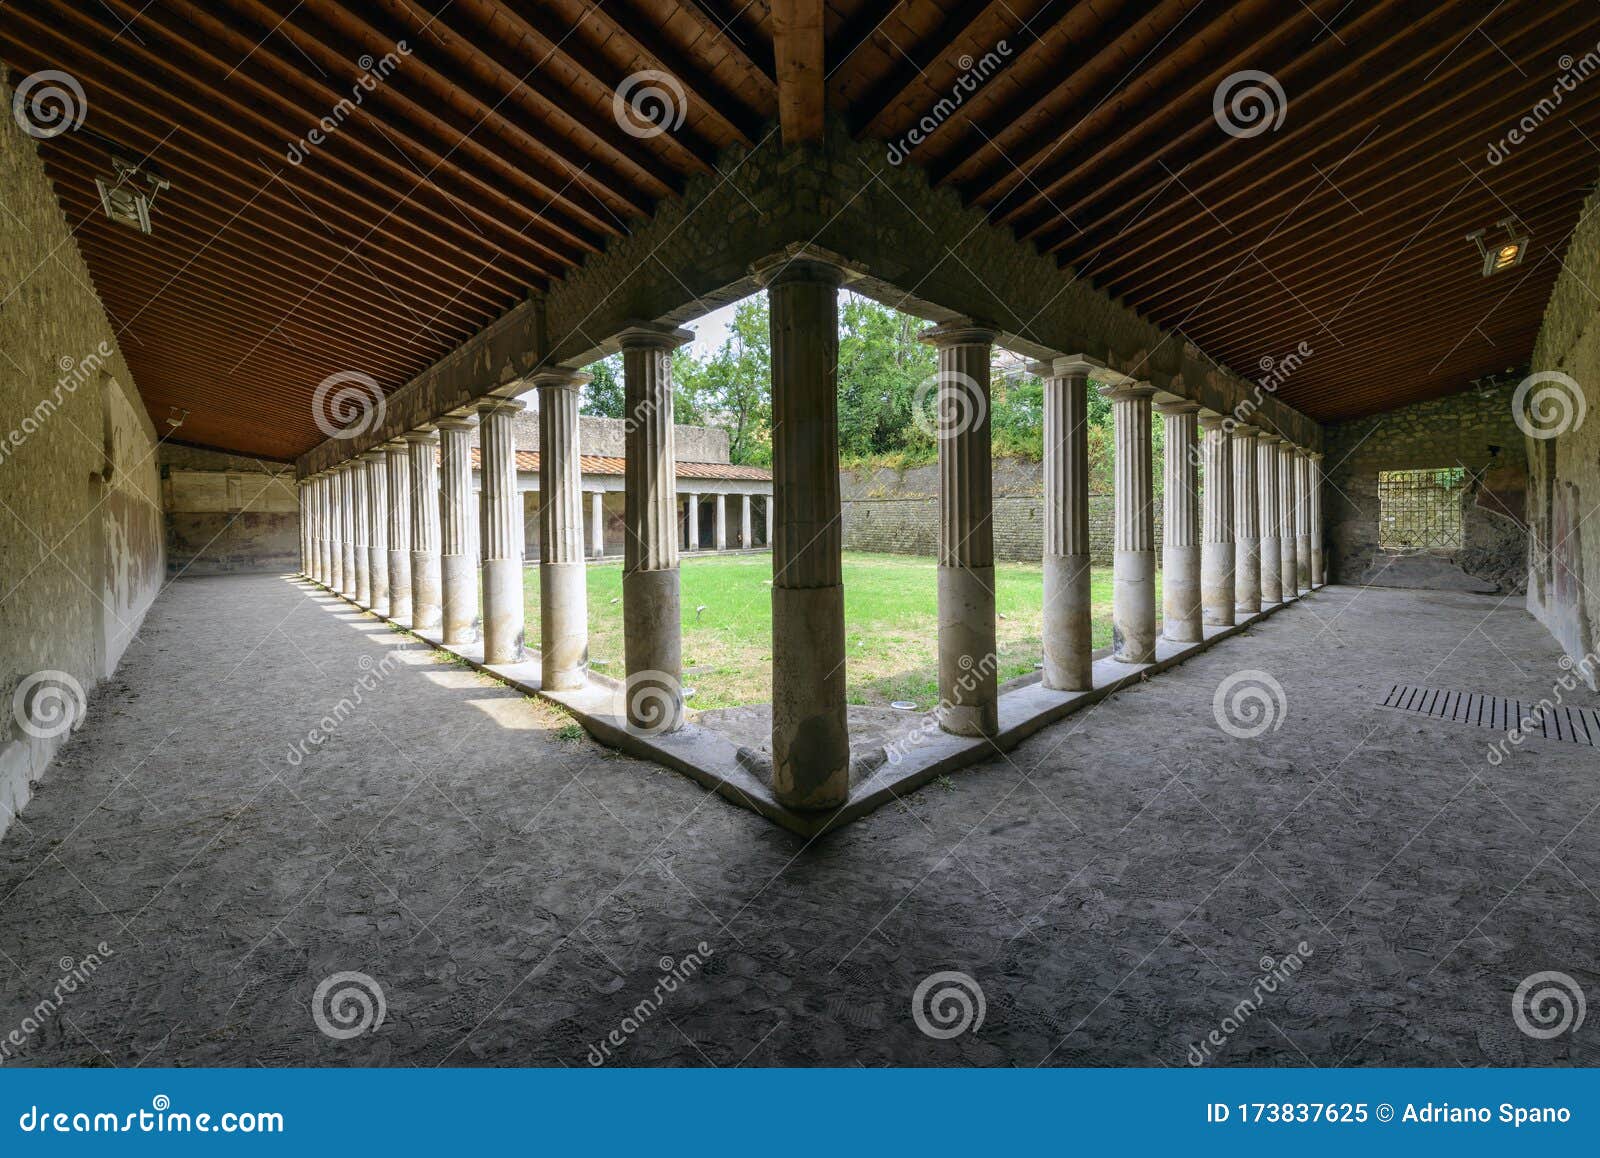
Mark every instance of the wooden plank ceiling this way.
pixel 490 160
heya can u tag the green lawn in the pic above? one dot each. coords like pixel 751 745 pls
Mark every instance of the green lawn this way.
pixel 890 625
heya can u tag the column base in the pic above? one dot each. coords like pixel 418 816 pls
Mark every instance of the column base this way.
pixel 1303 562
pixel 968 696
pixel 810 728
pixel 1068 624
pixel 563 626
pixel 652 637
pixel 1289 577
pixel 1246 580
pixel 1133 607
pixel 347 574
pixel 427 611
pixel 1180 594
pixel 503 614
pixel 1271 576
pixel 458 575
pixel 378 578
pixel 400 586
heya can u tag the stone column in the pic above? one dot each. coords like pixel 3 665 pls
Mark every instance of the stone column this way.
pixel 968 658
pixel 1289 531
pixel 1271 517
pixel 375 469
pixel 1216 533
pixel 745 523
pixel 314 526
pixel 651 627
pixel 1067 624
pixel 722 522
pixel 1133 608
pixel 399 531
pixel 347 531
pixel 597 523
pixel 1319 575
pixel 335 530
pixel 1180 540
pixel 1302 518
pixel 458 540
pixel 503 617
pixel 563 575
pixel 303 519
pixel 810 731
pixel 1246 523
pixel 423 448
pixel 691 523
pixel 362 514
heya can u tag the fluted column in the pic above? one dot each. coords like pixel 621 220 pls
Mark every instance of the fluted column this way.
pixel 1067 623
pixel 691 523
pixel 377 476
pixel 504 621
pixel 316 528
pixel 458 540
pixel 422 447
pixel 968 658
pixel 1288 512
pixel 303 521
pixel 722 522
pixel 1180 540
pixel 1133 608
pixel 1246 523
pixel 347 558
pixel 652 630
pixel 360 515
pixel 563 575
pixel 597 523
pixel 398 469
pixel 1216 530
pixel 1271 515
pixel 1302 518
pixel 1319 574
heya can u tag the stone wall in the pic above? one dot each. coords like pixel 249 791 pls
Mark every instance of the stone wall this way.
pixel 897 511
pixel 1563 449
pixel 1474 430
pixel 226 514
pixel 81 555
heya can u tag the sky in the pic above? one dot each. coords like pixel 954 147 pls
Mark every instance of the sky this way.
pixel 712 330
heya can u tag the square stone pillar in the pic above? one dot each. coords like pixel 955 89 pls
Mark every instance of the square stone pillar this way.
pixel 426 584
pixel 1133 607
pixel 1180 524
pixel 1319 574
pixel 968 658
pixel 597 523
pixel 399 563
pixel 458 540
pixel 376 465
pixel 563 574
pixel 1288 513
pixel 810 728
pixel 722 522
pixel 1246 523
pixel 1066 621
pixel 1216 529
pixel 691 523
pixel 1302 518
pixel 1271 516
pixel 504 622
pixel 651 627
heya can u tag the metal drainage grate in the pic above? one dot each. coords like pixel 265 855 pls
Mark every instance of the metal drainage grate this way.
pixel 1553 722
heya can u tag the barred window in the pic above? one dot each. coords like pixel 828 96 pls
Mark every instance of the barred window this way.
pixel 1420 508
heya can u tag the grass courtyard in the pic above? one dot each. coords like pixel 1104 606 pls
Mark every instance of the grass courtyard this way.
pixel 890 625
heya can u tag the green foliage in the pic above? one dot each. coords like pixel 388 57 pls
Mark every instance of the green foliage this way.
pixel 881 364
pixel 602 397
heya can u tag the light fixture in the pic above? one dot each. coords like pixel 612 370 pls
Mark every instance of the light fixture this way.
pixel 1504 254
pixel 175 416
pixel 129 196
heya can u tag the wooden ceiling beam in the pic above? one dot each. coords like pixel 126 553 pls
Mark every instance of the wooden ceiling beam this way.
pixel 797 49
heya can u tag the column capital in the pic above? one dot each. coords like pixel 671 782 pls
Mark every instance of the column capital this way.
pixel 804 262
pixel 1071 366
pixel 375 455
pixel 501 406
pixel 558 378
pixel 1126 389
pixel 958 332
pixel 457 422
pixel 1214 422
pixel 1178 406
pixel 393 445
pixel 1315 455
pixel 653 336
pixel 1267 438
pixel 1244 430
pixel 421 436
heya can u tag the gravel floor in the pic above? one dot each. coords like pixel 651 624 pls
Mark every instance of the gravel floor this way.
pixel 1114 888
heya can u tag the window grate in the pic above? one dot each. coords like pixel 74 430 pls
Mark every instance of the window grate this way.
pixel 1420 509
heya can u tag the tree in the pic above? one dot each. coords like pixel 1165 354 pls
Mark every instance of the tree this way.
pixel 603 397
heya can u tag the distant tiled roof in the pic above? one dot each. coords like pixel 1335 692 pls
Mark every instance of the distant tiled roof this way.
pixel 528 460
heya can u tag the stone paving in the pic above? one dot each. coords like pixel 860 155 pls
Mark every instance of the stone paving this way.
pixel 1115 888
